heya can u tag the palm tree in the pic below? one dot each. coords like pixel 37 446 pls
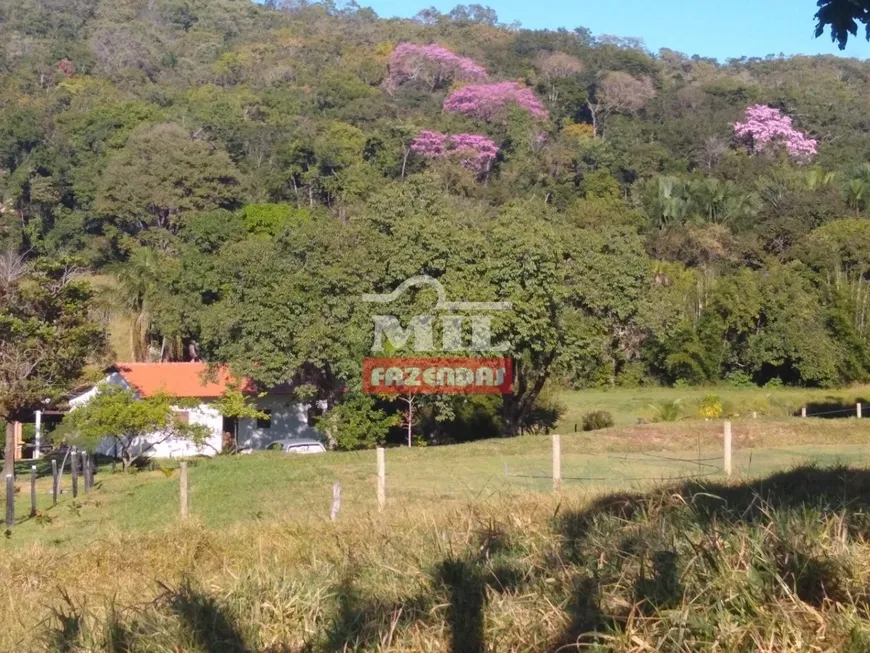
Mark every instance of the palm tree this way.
pixel 720 202
pixel 858 188
pixel 136 282
pixel 668 204
pixel 856 195
pixel 818 178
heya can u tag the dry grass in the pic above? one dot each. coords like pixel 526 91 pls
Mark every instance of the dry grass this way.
pixel 464 559
pixel 775 566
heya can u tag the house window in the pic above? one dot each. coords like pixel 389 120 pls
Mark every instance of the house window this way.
pixel 265 422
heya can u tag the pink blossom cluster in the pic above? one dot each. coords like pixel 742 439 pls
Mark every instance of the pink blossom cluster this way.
pixel 490 101
pixel 433 64
pixel 430 144
pixel 473 151
pixel 765 125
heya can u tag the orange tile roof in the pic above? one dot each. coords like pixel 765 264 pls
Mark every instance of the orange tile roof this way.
pixel 177 379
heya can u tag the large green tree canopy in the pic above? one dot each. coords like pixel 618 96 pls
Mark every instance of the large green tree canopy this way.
pixel 239 174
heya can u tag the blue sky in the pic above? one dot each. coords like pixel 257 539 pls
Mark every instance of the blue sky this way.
pixel 710 28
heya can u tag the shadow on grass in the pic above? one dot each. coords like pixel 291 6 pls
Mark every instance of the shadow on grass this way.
pixel 467 593
pixel 208 624
pixel 459 582
pixel 712 507
pixel 362 621
pixel 65 628
pixel 832 488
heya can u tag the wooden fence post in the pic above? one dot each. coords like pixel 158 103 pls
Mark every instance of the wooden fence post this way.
pixel 803 411
pixel 10 501
pixel 858 408
pixel 726 462
pixel 336 501
pixel 557 462
pixel 382 480
pixel 85 470
pixel 74 470
pixel 37 441
pixel 54 482
pixel 185 507
pixel 33 490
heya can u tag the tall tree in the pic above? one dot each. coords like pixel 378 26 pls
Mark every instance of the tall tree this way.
pixel 618 92
pixel 47 336
pixel 163 172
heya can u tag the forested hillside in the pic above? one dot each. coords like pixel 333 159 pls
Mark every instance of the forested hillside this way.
pixel 239 175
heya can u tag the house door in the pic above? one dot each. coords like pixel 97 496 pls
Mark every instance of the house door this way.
pixel 230 433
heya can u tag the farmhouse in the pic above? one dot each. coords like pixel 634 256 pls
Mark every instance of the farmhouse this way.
pixel 285 417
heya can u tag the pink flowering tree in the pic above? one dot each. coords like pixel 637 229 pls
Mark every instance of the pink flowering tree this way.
pixel 491 101
pixel 764 126
pixel 429 144
pixel 471 151
pixel 432 65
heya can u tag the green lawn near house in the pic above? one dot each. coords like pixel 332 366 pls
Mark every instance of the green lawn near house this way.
pixel 273 487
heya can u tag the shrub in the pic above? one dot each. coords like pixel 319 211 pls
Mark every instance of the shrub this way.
pixel 597 419
pixel 775 382
pixel 667 411
pixel 355 423
pixel 740 379
pixel 711 406
pixel 632 375
pixel 545 413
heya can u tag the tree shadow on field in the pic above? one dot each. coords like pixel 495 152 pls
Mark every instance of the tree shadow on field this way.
pixel 65 631
pixel 459 582
pixel 467 593
pixel 830 488
pixel 621 519
pixel 465 580
pixel 207 622
pixel 362 621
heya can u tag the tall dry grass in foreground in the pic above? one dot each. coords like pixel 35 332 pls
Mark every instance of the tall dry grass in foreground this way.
pixel 781 564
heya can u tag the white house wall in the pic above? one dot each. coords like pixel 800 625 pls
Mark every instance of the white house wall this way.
pixel 112 379
pixel 289 420
pixel 179 447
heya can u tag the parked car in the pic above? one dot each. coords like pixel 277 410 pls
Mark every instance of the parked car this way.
pixel 297 445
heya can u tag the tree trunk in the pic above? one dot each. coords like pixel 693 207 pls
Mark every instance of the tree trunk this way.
pixel 594 119
pixel 407 151
pixel 9 462
pixel 510 417
pixel 410 422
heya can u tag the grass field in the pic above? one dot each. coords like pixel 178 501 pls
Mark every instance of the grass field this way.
pixel 266 487
pixel 474 551
pixel 628 406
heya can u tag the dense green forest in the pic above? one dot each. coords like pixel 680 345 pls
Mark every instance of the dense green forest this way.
pixel 246 172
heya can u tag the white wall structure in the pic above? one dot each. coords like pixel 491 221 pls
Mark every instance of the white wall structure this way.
pixel 114 378
pixel 288 419
pixel 178 447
